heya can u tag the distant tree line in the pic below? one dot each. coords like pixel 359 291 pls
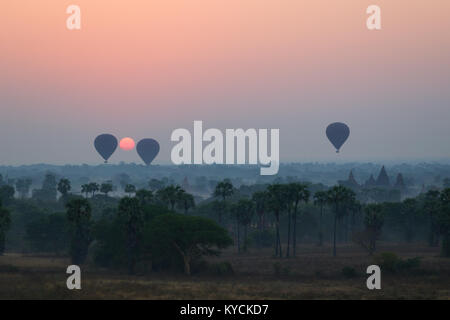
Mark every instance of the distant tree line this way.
pixel 164 227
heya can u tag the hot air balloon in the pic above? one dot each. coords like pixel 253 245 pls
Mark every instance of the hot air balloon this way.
pixel 337 133
pixel 105 144
pixel 147 149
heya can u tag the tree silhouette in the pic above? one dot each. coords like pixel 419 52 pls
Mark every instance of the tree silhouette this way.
pixel 145 197
pixel 185 201
pixel 320 199
pixel 131 213
pixel 85 189
pixel 243 213
pixel 444 221
pixel 432 206
pixel 190 236
pixel 64 187
pixel 170 195
pixel 93 188
pixel 223 190
pixel 5 223
pixel 79 216
pixel 409 213
pixel 106 188
pixel 337 197
pixel 300 193
pixel 373 221
pixel 129 188
pixel 6 194
pixel 277 203
pixel 260 200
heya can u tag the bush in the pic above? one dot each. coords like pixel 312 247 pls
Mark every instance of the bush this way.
pixel 349 272
pixel 389 261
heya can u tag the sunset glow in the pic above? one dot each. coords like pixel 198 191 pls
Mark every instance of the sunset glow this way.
pixel 293 65
pixel 127 144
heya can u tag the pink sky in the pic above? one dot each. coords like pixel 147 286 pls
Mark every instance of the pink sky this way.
pixel 144 68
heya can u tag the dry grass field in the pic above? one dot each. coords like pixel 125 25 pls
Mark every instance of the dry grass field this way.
pixel 313 274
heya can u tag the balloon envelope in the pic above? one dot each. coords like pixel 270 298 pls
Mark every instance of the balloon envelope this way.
pixel 147 149
pixel 105 144
pixel 338 133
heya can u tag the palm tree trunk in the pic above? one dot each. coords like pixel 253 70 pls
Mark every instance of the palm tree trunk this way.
pixel 320 227
pixel 238 236
pixel 294 236
pixel 276 238
pixel 289 235
pixel 245 238
pixel 334 236
pixel 280 252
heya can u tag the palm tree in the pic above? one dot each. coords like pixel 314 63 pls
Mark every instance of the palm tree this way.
pixel 355 208
pixel 85 188
pixel 145 197
pixel 289 200
pixel 432 207
pixel 64 186
pixel 300 193
pixel 336 197
pixel 129 188
pixel 169 195
pixel 243 213
pixel 79 215
pixel 130 210
pixel 277 203
pixel 320 199
pixel 444 222
pixel 223 190
pixel 5 223
pixel 373 221
pixel 93 188
pixel 106 188
pixel 409 212
pixel 260 201
pixel 185 201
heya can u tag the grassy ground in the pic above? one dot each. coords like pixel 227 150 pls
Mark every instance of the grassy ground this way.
pixel 313 274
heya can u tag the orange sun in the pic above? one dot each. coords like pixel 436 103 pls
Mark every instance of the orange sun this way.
pixel 126 144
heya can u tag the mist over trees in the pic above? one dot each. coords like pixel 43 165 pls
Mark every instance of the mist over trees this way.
pixel 172 223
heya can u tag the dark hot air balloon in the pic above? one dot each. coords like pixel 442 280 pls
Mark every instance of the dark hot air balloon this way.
pixel 338 133
pixel 147 149
pixel 105 144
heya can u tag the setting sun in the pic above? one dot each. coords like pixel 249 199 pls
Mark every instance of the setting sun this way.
pixel 127 144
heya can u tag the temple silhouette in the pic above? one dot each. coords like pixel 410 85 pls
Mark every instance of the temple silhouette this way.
pixel 382 181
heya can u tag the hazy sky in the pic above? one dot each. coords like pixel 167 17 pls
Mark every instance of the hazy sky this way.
pixel 144 68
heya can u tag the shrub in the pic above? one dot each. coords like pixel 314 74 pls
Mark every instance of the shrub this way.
pixel 389 261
